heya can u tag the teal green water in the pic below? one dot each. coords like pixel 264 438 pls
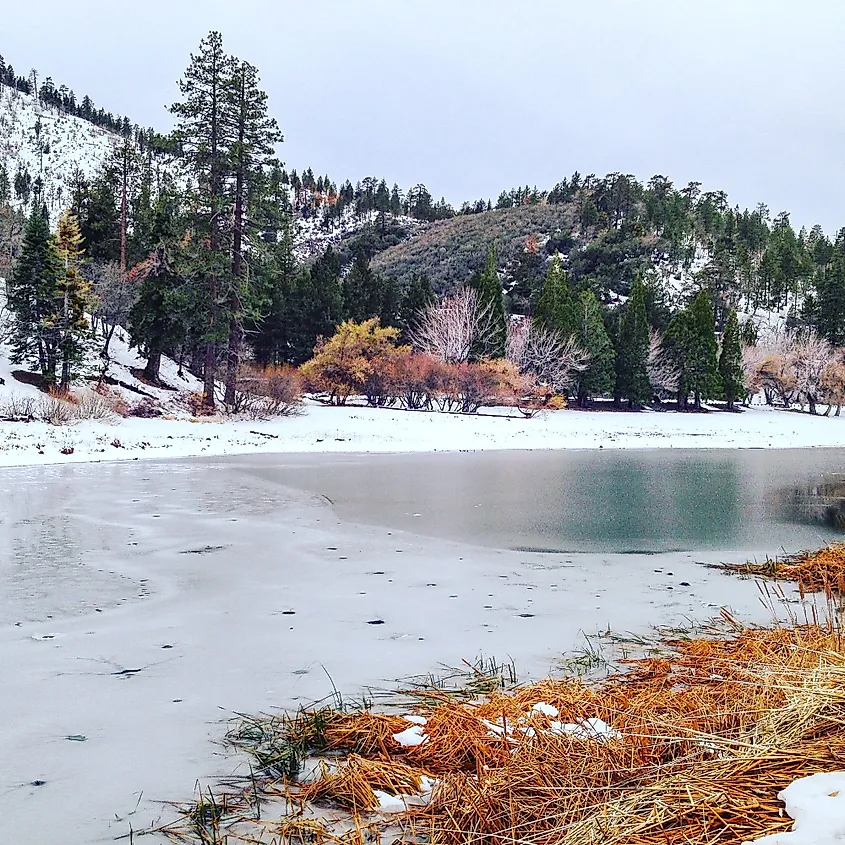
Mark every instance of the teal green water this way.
pixel 615 501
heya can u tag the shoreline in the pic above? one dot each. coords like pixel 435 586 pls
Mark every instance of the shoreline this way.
pixel 361 429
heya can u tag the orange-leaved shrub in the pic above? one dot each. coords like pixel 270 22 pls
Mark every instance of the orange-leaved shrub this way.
pixel 271 391
pixel 355 361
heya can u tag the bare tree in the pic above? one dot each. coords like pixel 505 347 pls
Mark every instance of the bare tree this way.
pixel 554 360
pixel 792 366
pixel 663 373
pixel 114 296
pixel 450 329
pixel 809 360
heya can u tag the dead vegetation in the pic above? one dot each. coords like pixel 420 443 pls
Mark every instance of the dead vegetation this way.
pixel 815 571
pixel 690 745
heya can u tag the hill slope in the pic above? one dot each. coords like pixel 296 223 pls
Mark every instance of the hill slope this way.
pixel 38 142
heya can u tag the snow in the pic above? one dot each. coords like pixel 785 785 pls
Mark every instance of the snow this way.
pixel 74 144
pixel 416 720
pixel 174 567
pixel 377 430
pixel 586 729
pixel 545 709
pixel 411 737
pixel 400 803
pixel 817 804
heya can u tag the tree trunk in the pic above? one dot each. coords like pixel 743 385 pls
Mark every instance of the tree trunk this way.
pixel 235 305
pixel 151 371
pixel 109 334
pixel 123 204
pixel 697 401
pixel 582 397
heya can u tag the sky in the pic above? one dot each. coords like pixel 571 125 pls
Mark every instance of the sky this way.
pixel 472 97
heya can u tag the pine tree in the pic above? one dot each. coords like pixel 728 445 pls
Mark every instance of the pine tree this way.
pixel 691 344
pixel 256 134
pixel 632 350
pixel 418 296
pixel 555 309
pixel 730 362
pixel 362 295
pixel 74 294
pixel 33 297
pixel 592 336
pixel 491 300
pixel 206 133
pixel 704 372
pixel 830 296
pixel 160 318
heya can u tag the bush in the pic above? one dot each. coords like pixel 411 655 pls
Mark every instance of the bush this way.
pixel 147 408
pixel 93 405
pixel 356 361
pixel 274 391
pixel 19 408
pixel 56 410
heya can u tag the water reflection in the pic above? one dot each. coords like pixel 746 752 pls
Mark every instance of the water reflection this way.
pixel 648 501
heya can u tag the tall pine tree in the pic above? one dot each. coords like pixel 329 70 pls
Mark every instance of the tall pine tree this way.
pixel 255 136
pixel 207 134
pixel 33 298
pixel 730 362
pixel 555 309
pixel 74 299
pixel 592 336
pixel 632 350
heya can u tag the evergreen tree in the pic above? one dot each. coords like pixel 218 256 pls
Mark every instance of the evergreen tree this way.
pixel 491 300
pixel 830 295
pixel 206 133
pixel 704 374
pixel 691 344
pixel 33 298
pixel 555 309
pixel 362 290
pixel 160 318
pixel 74 296
pixel 418 296
pixel 255 136
pixel 592 336
pixel 730 362
pixel 316 305
pixel 632 350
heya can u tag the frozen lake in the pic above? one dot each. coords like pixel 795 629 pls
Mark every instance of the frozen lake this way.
pixel 586 501
pixel 141 604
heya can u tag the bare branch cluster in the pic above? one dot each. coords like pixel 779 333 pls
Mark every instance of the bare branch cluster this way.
pixel 553 359
pixel 452 328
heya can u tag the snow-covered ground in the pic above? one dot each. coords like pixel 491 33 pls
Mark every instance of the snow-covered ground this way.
pixel 361 429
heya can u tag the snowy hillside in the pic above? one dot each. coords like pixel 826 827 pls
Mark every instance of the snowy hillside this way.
pixel 63 146
pixel 311 237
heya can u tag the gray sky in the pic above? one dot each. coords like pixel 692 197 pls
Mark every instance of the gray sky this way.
pixel 471 97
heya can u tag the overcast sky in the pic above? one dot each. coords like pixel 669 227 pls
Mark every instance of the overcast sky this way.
pixel 471 97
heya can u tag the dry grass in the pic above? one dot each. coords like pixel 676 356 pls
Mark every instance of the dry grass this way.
pixel 707 736
pixel 820 570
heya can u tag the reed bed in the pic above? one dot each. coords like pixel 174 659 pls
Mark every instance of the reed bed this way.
pixel 815 571
pixel 691 747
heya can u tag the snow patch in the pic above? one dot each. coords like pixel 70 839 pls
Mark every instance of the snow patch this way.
pixel 817 804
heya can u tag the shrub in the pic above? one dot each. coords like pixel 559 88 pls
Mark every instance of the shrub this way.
pixel 147 408
pixel 19 408
pixel 356 361
pixel 274 391
pixel 93 405
pixel 55 410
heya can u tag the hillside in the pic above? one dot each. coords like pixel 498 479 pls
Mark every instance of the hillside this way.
pixel 38 142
